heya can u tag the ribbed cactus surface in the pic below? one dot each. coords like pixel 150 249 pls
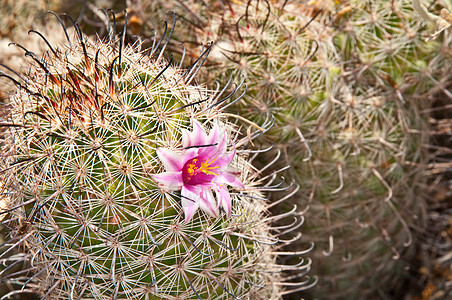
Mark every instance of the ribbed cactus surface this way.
pixel 126 180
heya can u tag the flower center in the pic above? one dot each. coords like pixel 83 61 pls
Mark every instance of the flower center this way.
pixel 196 171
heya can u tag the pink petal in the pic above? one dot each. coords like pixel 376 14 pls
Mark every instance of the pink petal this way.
pixel 170 180
pixel 208 203
pixel 197 137
pixel 224 160
pixel 190 202
pixel 171 160
pixel 220 145
pixel 174 161
pixel 185 138
pixel 213 135
pixel 224 198
pixel 229 178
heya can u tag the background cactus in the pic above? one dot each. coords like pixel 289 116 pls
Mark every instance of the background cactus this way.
pixel 348 83
pixel 78 152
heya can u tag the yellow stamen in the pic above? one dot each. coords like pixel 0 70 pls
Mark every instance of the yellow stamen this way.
pixel 206 169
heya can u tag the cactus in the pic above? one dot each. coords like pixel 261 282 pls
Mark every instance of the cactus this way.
pixel 347 83
pixel 100 165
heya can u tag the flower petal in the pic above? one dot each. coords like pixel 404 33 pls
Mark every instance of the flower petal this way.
pixel 224 198
pixel 208 203
pixel 224 159
pixel 197 137
pixel 174 161
pixel 190 202
pixel 213 134
pixel 222 144
pixel 171 160
pixel 229 178
pixel 170 180
pixel 185 138
pixel 218 148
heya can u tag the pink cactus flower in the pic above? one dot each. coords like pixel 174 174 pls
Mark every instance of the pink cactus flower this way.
pixel 197 170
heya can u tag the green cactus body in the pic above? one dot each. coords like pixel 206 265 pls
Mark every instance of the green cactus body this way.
pixel 80 149
pixel 346 86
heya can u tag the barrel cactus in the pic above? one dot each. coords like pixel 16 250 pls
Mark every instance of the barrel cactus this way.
pixel 126 180
pixel 348 83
